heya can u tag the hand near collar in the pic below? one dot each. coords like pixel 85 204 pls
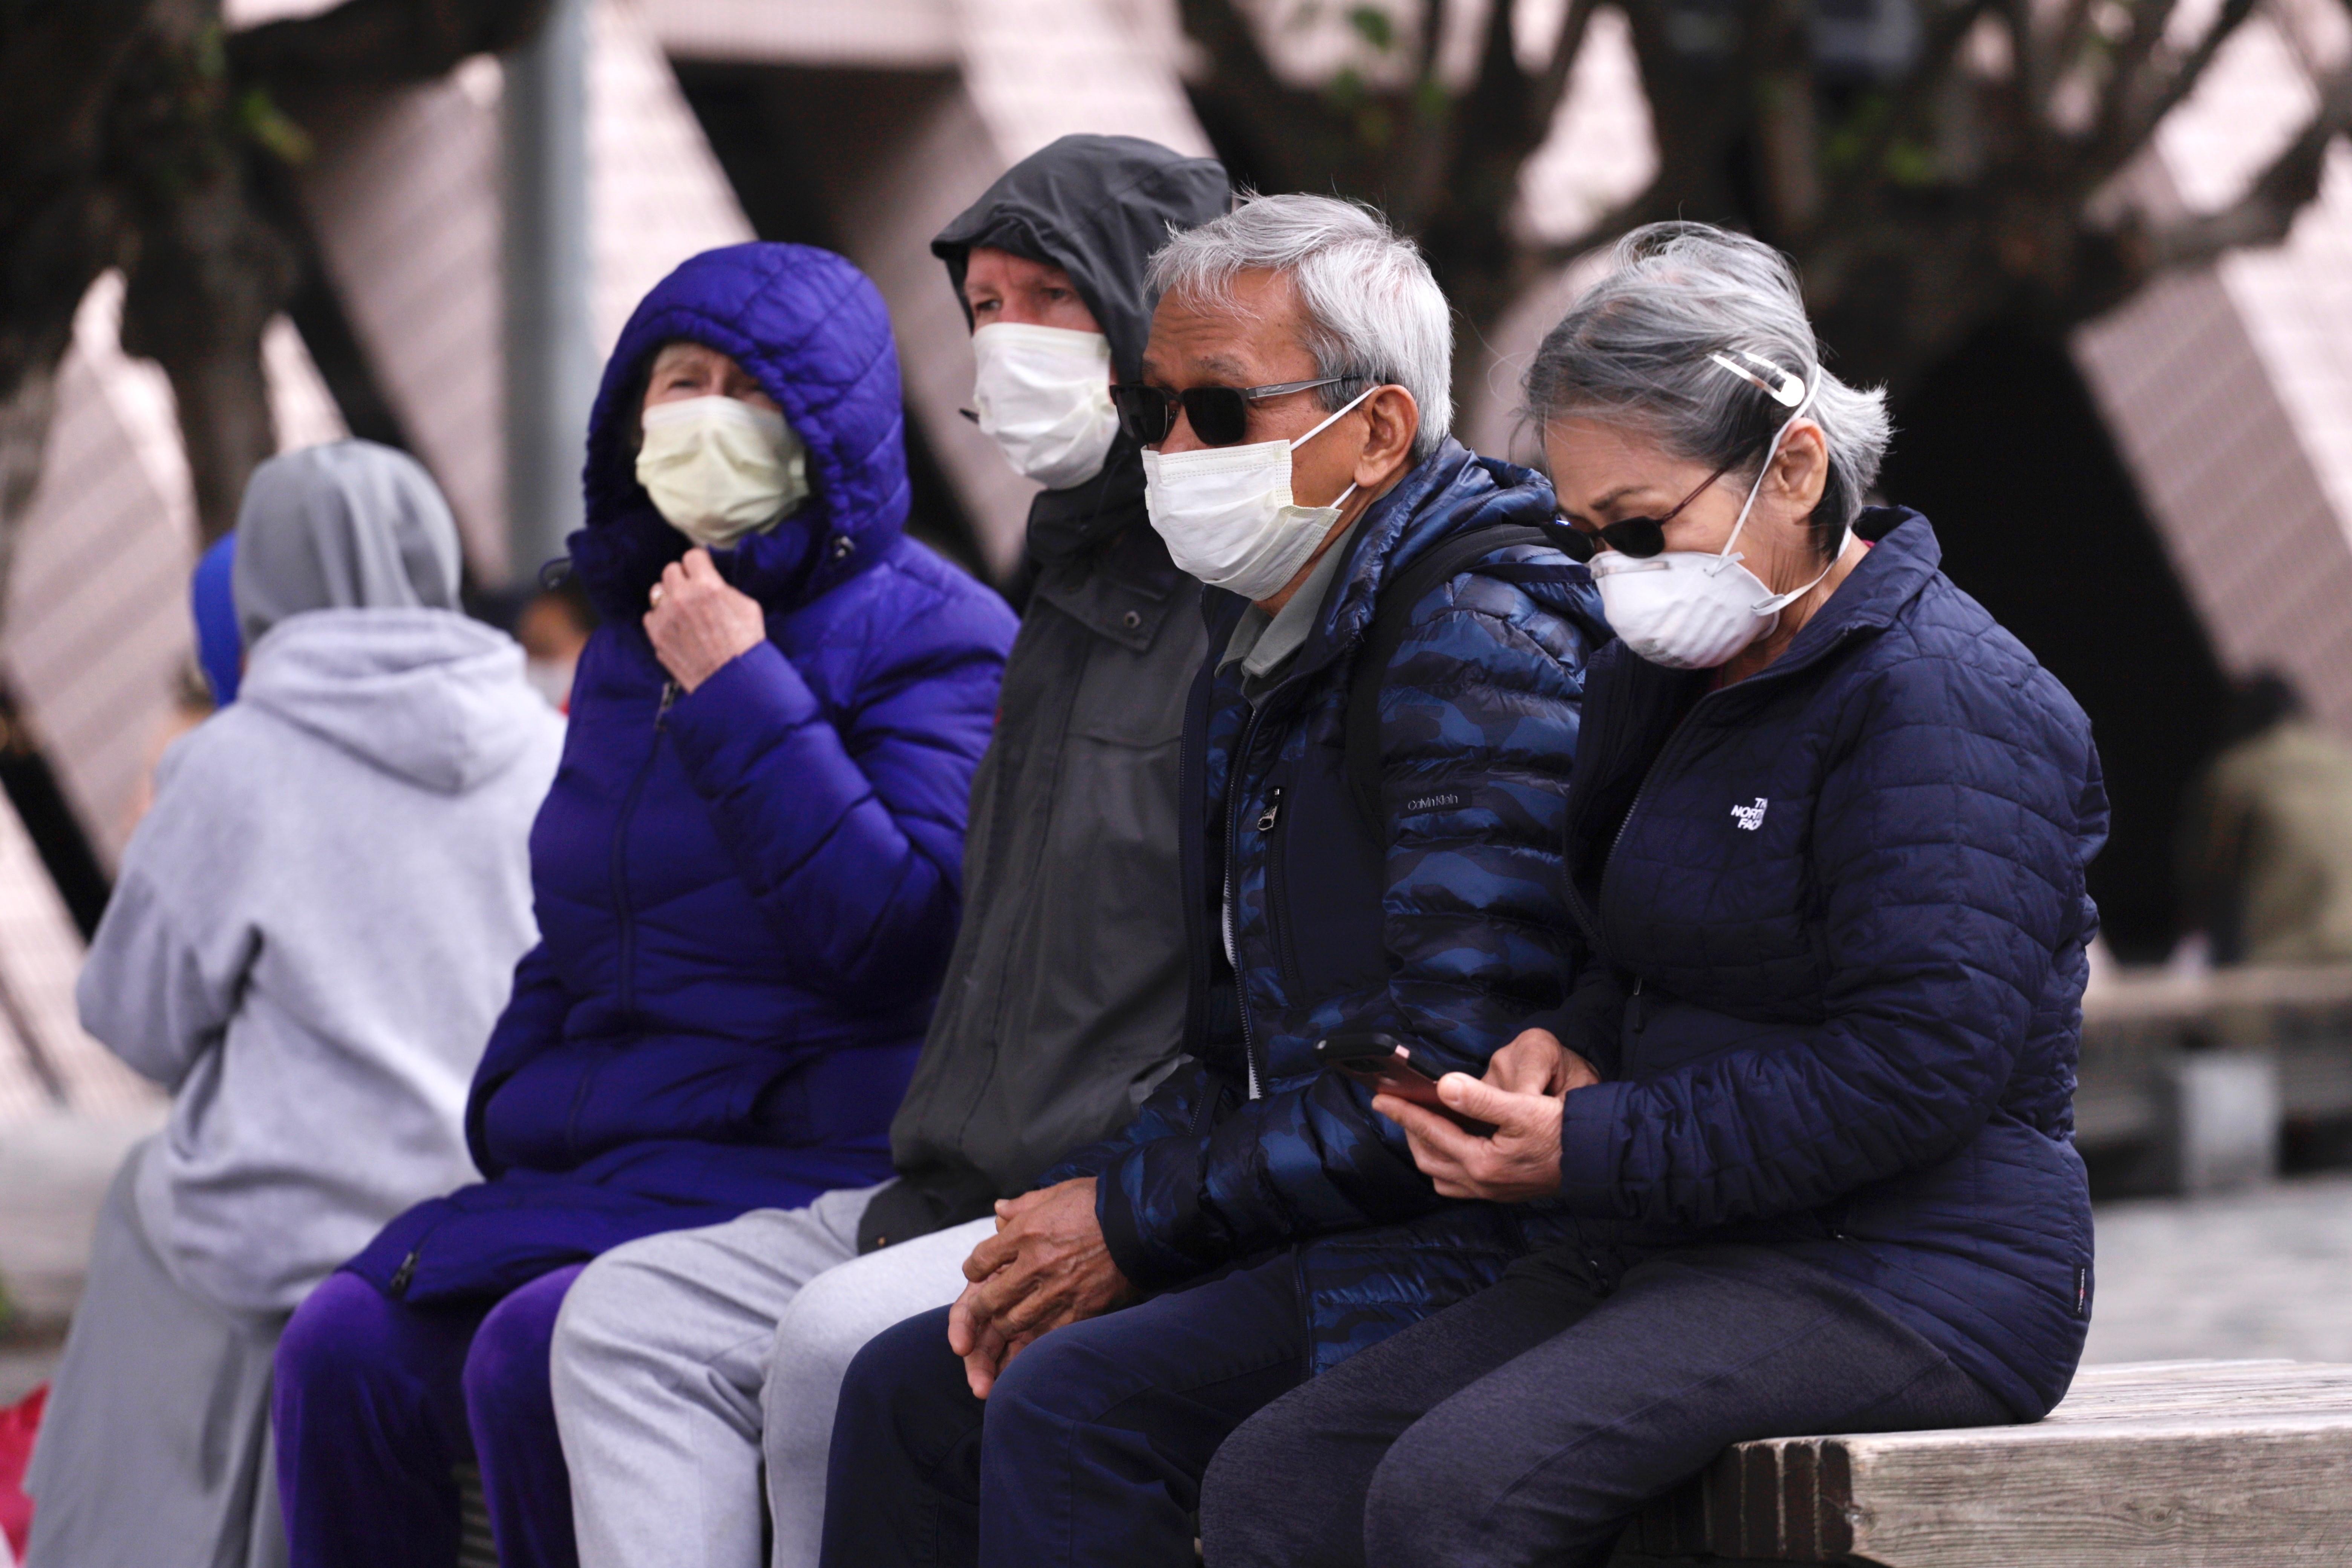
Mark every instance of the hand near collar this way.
pixel 1046 1266
pixel 697 623
pixel 1521 1095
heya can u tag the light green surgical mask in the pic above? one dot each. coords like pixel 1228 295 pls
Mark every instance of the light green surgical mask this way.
pixel 719 467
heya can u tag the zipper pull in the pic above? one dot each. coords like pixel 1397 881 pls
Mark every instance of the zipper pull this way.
pixel 1273 809
pixel 669 695
pixel 398 1285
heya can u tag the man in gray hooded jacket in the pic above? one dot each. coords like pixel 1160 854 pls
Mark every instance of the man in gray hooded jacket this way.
pixel 679 1359
pixel 313 930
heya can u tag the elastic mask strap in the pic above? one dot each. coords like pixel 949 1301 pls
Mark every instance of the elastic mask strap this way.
pixel 1758 488
pixel 1335 418
pixel 1780 602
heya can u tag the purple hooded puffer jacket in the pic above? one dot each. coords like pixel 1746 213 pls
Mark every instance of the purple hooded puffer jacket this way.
pixel 746 894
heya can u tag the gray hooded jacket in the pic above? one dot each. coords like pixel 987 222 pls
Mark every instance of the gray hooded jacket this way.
pixel 1064 1000
pixel 318 923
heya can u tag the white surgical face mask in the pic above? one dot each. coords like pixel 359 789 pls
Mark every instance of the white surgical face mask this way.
pixel 1227 515
pixel 551 678
pixel 1043 394
pixel 719 467
pixel 1690 609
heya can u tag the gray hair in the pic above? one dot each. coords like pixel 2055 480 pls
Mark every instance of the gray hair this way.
pixel 1374 315
pixel 1635 351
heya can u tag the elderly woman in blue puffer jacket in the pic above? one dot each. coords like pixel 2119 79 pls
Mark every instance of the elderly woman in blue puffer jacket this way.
pixel 1806 1114
pixel 747 877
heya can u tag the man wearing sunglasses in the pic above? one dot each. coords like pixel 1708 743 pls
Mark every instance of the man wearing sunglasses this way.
pixel 1258 1221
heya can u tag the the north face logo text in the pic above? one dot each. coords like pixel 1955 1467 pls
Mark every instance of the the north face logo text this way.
pixel 1751 818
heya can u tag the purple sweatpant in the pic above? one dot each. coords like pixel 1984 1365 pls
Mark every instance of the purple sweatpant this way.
pixel 376 1402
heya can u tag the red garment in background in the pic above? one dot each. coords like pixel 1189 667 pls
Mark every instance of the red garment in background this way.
pixel 18 1423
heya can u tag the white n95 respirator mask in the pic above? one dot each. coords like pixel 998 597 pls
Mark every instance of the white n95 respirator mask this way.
pixel 1690 609
pixel 1043 394
pixel 1227 515
pixel 719 467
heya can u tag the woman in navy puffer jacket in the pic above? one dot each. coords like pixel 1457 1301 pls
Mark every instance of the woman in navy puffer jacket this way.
pixel 1806 1119
pixel 747 877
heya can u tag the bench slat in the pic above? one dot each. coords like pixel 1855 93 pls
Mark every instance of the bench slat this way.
pixel 2194 1465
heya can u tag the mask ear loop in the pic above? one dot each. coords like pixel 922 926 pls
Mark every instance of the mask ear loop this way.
pixel 1779 395
pixel 1327 424
pixel 1337 416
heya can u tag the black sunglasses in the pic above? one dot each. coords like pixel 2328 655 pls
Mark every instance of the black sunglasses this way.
pixel 1639 537
pixel 1220 414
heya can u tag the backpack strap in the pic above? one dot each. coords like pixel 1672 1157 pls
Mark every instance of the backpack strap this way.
pixel 1392 617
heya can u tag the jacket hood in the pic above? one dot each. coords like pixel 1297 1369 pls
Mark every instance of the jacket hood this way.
pixel 349 525
pixel 429 695
pixel 1097 207
pixel 812 331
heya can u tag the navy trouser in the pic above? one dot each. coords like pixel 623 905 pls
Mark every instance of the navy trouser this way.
pixel 1525 1425
pixel 376 1403
pixel 1090 1447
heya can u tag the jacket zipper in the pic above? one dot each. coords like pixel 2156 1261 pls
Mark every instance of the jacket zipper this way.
pixel 627 943
pixel 1277 892
pixel 1233 934
pixel 397 1286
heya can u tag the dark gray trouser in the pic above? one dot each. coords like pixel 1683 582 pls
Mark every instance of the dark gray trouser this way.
pixel 1528 1423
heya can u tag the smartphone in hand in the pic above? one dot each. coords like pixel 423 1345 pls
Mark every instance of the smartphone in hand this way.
pixel 1384 1064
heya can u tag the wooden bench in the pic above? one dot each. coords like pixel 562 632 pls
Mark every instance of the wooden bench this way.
pixel 2221 1464
pixel 2237 1464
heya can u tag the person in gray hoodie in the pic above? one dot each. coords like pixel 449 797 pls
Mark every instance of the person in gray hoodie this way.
pixel 311 934
pixel 682 1361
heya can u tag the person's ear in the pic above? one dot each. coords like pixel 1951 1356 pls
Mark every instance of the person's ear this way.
pixel 1392 420
pixel 1801 471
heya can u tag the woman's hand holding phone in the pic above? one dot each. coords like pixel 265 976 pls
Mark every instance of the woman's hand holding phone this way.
pixel 1520 1097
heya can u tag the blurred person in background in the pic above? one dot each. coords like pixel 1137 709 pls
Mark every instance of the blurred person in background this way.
pixel 1254 1222
pixel 207 685
pixel 212 605
pixel 2266 837
pixel 554 630
pixel 678 1357
pixel 310 937
pixel 1804 1130
pixel 747 875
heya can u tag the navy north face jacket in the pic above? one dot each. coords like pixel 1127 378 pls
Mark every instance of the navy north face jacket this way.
pixel 1445 926
pixel 747 893
pixel 1840 920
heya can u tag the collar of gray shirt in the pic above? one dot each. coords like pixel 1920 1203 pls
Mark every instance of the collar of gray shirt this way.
pixel 1265 643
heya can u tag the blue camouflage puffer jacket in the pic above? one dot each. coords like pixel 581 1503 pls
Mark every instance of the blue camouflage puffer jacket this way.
pixel 1446 928
pixel 1839 912
pixel 746 894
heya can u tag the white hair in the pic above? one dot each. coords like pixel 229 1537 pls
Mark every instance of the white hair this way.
pixel 1374 315
pixel 1639 349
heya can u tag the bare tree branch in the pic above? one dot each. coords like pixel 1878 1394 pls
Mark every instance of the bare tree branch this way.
pixel 1910 95
pixel 1432 34
pixel 1566 46
pixel 381 43
pixel 2266 215
pixel 2056 50
pixel 2135 105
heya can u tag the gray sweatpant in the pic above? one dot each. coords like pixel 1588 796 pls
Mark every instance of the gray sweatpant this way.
pixel 682 1359
pixel 155 1448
